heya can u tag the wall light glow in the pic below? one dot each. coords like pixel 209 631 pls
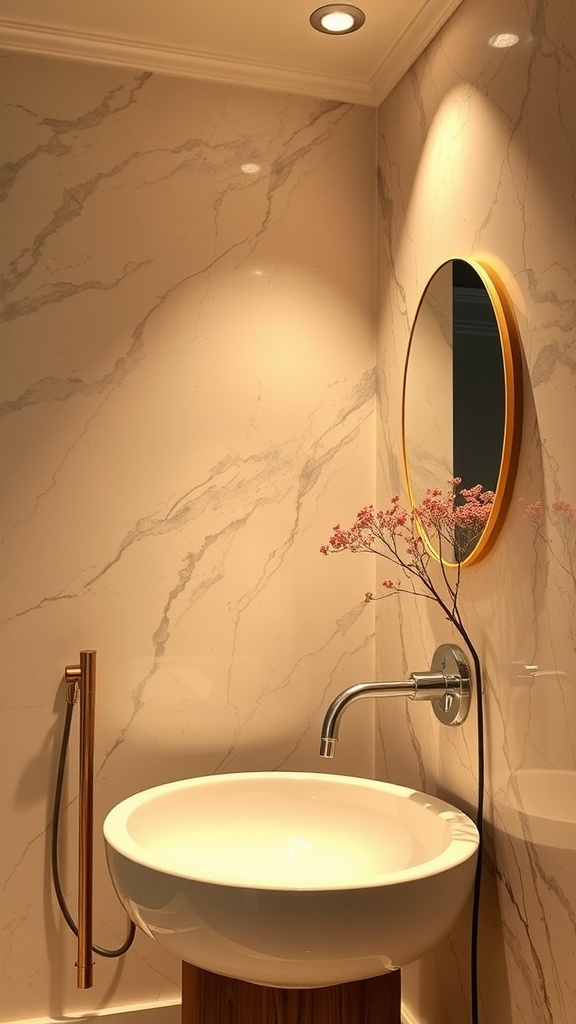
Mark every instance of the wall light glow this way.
pixel 504 40
pixel 250 168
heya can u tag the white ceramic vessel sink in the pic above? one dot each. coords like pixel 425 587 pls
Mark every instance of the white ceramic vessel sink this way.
pixel 291 879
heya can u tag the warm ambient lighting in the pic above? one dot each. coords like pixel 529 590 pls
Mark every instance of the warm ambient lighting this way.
pixel 337 19
pixel 504 40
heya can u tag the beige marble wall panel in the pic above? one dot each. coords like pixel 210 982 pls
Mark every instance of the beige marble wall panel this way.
pixel 476 154
pixel 187 403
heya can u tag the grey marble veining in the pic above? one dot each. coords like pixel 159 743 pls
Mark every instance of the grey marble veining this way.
pixel 187 395
pixel 490 170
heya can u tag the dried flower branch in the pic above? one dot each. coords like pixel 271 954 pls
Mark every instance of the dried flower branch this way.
pixel 562 516
pixel 452 520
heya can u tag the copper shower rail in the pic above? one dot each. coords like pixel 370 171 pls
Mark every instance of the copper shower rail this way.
pixel 81 681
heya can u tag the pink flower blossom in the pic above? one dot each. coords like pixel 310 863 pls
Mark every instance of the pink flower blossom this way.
pixel 564 510
pixel 450 520
pixel 563 517
pixel 533 512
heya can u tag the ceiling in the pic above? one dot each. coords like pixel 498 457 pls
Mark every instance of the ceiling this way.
pixel 260 43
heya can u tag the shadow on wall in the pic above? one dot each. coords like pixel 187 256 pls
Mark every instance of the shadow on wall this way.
pixel 439 984
pixel 443 981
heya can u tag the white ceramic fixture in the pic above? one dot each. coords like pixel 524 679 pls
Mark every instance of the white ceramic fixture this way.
pixel 538 806
pixel 291 879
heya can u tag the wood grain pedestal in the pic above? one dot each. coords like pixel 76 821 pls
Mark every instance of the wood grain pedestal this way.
pixel 212 999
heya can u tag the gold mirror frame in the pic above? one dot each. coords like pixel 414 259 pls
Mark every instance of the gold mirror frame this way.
pixel 513 402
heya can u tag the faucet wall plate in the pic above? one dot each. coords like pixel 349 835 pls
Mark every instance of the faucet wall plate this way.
pixel 453 707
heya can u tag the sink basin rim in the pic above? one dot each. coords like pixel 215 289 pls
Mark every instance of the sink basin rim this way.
pixel 462 844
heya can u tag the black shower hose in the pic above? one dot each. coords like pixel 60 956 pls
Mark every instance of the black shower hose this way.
pixel 54 847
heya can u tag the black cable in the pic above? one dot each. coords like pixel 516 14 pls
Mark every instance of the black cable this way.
pixel 54 847
pixel 479 826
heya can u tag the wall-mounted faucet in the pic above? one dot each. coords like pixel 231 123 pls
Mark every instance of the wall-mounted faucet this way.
pixel 447 685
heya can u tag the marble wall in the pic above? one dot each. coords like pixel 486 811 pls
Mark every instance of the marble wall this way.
pixel 477 155
pixel 187 408
pixel 187 402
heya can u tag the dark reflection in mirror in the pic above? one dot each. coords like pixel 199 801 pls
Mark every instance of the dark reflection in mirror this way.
pixel 462 394
pixel 479 401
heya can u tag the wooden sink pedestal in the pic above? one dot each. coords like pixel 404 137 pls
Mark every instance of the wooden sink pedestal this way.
pixel 213 999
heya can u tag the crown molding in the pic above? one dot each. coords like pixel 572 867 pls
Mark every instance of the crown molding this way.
pixel 126 53
pixel 405 50
pixel 46 41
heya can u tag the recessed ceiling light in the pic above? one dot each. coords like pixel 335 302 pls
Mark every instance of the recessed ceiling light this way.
pixel 504 40
pixel 250 168
pixel 337 19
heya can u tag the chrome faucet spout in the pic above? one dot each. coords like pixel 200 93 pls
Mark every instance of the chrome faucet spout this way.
pixel 334 713
pixel 447 685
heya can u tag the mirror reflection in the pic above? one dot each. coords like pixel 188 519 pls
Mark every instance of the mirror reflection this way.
pixel 462 397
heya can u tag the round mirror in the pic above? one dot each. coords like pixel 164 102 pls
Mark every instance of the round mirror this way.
pixel 462 401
